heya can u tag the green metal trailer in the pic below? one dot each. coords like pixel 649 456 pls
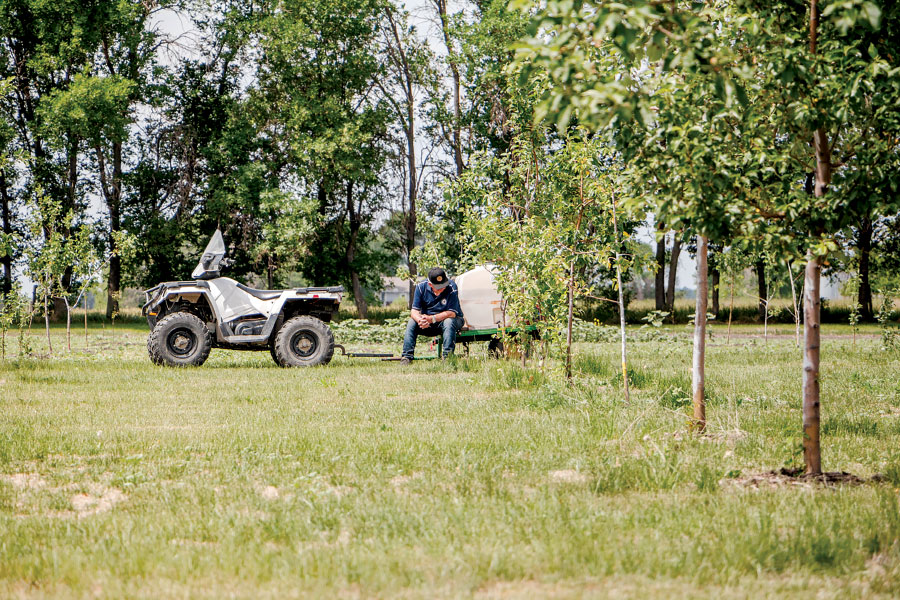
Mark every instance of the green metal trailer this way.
pixel 492 337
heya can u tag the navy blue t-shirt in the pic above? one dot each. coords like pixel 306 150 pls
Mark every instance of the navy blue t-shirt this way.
pixel 427 303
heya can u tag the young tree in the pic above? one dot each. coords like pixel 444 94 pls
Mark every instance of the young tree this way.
pixel 734 261
pixel 14 309
pixel 543 214
pixel 47 253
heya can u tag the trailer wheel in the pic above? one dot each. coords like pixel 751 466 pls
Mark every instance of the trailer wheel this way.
pixel 180 339
pixel 304 342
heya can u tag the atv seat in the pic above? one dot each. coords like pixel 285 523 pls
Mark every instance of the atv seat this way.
pixel 261 294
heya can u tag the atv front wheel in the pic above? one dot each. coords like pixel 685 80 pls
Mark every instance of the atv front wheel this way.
pixel 304 342
pixel 179 340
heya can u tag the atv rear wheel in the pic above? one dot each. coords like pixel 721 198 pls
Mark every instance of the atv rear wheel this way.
pixel 304 342
pixel 179 340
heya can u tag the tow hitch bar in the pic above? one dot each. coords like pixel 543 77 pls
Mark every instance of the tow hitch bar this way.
pixel 381 355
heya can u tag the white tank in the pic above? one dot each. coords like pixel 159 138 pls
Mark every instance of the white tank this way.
pixel 479 299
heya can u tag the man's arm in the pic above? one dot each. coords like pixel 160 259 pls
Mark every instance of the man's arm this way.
pixel 415 314
pixel 426 321
pixel 423 321
pixel 447 314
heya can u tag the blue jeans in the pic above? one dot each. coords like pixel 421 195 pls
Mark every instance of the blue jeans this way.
pixel 446 329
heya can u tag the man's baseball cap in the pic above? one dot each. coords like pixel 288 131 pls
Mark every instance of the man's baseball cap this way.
pixel 438 278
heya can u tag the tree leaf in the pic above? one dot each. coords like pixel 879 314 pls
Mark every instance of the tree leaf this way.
pixel 872 13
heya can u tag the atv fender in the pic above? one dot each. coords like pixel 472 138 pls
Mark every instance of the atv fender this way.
pixel 175 291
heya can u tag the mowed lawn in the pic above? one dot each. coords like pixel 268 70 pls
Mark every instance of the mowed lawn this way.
pixel 467 479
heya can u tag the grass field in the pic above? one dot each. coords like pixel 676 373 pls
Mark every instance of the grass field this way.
pixel 472 478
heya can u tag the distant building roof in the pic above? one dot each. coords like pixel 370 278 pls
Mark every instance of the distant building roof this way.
pixel 395 284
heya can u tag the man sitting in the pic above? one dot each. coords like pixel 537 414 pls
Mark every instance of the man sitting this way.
pixel 435 311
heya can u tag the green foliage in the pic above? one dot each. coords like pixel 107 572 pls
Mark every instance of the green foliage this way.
pixel 851 290
pixel 544 221
pixel 91 108
pixel 288 226
pixel 15 311
pixel 47 257
pixel 320 63
pixel 703 113
pixel 890 334
pixel 360 332
pixel 655 318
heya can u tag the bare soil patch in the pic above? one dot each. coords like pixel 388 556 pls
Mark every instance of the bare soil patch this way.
pixel 797 478
pixel 25 481
pixel 569 476
pixel 96 502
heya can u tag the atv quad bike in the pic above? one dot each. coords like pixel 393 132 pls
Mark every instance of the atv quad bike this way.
pixel 188 318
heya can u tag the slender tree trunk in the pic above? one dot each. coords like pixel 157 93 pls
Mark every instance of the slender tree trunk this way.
pixel 864 247
pixel 698 379
pixel 762 289
pixel 811 451
pixel 812 305
pixel 441 7
pixel 621 306
pixel 660 278
pixel 322 197
pixel 362 307
pixel 26 330
pixel 716 277
pixel 570 319
pixel 47 324
pixel 794 300
pixel 61 303
pixel 730 309
pixel 358 296
pixel 6 261
pixel 112 194
pixel 673 275
pixel 68 325
pixel 413 192
pixel 407 117
pixel 457 118
pixel 85 323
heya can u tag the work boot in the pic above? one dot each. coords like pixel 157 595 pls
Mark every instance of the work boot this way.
pixel 405 361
